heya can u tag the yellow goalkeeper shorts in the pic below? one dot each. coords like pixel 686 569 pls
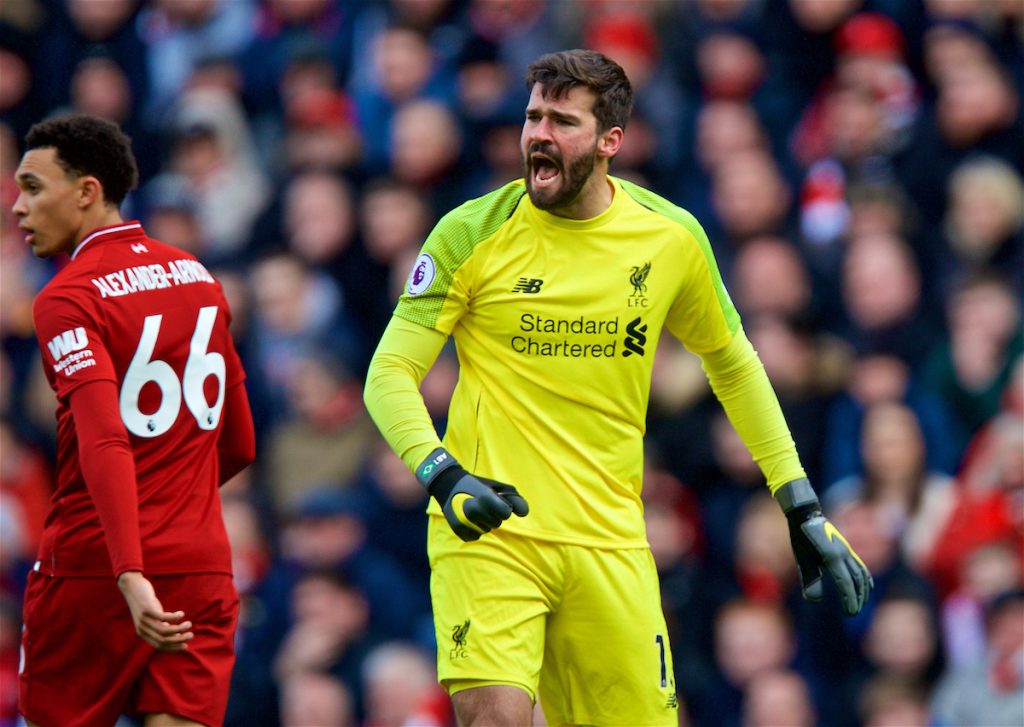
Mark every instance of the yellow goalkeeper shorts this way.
pixel 580 628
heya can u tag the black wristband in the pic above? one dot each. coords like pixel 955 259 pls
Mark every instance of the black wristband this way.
pixel 439 473
pixel 795 494
pixel 798 500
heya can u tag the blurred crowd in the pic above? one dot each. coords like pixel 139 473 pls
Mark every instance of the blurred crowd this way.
pixel 859 168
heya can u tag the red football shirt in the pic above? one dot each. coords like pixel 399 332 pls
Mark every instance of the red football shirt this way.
pixel 151 319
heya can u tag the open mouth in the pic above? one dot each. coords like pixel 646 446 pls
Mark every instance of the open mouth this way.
pixel 545 170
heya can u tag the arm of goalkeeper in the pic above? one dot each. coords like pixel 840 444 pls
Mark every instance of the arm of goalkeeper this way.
pixel 471 505
pixel 817 544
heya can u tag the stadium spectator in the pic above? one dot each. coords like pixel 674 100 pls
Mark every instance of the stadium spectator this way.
pixel 762 568
pixel 879 377
pixel 326 437
pixel 400 688
pixel 984 224
pixel 752 638
pixel 405 67
pixel 394 516
pixel 882 294
pixel 329 633
pixel 987 501
pixel 629 38
pixel 971 367
pixel 991 692
pixel 25 484
pixel 806 371
pixel 101 85
pixel 895 478
pixel 750 198
pixel 212 150
pixel 318 120
pixel 674 529
pixel 79 30
pixel 903 640
pixel 170 210
pixel 426 153
pixel 731 481
pixel 317 35
pixel 179 35
pixel 775 698
pixel 296 309
pixel 253 699
pixel 978 110
pixel 315 698
pixel 985 572
pixel 888 701
pixel 770 278
pixel 394 218
pixel 319 224
pixel 326 531
pixel 724 128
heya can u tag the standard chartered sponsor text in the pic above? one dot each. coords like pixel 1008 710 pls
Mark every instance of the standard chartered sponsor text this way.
pixel 604 329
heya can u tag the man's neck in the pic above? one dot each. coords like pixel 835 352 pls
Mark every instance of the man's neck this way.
pixel 595 197
pixel 94 220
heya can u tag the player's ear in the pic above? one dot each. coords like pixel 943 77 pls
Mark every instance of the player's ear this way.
pixel 608 142
pixel 90 191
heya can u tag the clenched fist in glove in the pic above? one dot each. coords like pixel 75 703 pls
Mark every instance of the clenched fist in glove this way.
pixel 472 505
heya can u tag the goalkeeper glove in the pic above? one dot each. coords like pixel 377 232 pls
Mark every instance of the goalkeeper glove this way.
pixel 817 543
pixel 472 505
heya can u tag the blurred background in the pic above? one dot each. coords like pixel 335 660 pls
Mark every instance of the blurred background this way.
pixel 858 167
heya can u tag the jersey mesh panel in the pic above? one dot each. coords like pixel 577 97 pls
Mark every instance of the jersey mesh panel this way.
pixel 677 214
pixel 452 242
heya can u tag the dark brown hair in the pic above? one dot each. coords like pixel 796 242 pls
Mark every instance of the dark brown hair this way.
pixel 88 145
pixel 557 73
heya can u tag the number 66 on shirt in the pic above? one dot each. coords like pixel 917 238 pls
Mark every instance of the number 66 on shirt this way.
pixel 200 364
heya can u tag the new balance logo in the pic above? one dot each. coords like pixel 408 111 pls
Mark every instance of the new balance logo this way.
pixel 67 342
pixel 138 247
pixel 636 337
pixel 528 285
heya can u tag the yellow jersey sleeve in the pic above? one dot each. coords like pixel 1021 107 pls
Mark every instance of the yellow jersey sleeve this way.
pixel 740 383
pixel 404 355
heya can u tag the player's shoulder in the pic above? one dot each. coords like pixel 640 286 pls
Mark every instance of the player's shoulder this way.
pixel 481 216
pixel 69 286
pixel 152 247
pixel 670 214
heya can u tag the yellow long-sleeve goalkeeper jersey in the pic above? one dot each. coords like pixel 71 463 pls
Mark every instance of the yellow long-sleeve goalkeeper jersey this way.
pixel 555 323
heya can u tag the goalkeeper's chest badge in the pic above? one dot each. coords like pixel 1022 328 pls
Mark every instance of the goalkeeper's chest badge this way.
pixel 638 279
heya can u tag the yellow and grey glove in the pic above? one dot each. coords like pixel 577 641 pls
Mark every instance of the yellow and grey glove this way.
pixel 472 505
pixel 817 543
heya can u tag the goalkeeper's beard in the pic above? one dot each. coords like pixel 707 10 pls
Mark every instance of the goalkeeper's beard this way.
pixel 572 178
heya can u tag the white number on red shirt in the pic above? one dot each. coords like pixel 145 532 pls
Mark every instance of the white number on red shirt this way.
pixel 200 364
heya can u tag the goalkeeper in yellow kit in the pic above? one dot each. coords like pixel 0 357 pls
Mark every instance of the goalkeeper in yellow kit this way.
pixel 555 288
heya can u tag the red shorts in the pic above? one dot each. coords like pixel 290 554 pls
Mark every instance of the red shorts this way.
pixel 83 663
